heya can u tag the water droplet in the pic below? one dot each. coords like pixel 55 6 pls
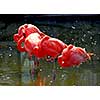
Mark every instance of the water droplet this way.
pixel 62 61
pixel 10 55
pixel 62 75
pixel 10 48
pixel 95 42
pixel 48 75
pixel 84 35
pixel 92 43
pixel 91 37
pixel 7 77
pixel 60 67
pixel 52 35
pixel 40 70
pixel 82 39
pixel 73 27
pixel 89 31
pixel 51 81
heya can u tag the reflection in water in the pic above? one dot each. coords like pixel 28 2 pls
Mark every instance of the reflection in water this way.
pixel 17 69
pixel 88 78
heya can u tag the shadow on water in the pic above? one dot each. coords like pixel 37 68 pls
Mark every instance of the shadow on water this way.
pixel 17 69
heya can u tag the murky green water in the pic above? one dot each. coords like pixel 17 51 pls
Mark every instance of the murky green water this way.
pixel 15 69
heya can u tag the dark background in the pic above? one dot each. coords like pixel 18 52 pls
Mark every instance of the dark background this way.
pixel 9 18
pixel 9 23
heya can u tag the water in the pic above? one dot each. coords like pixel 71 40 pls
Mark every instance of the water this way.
pixel 17 69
